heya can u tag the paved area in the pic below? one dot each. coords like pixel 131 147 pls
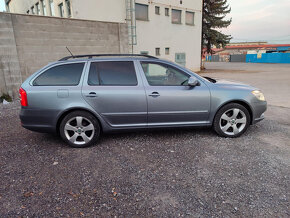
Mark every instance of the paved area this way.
pixel 272 79
pixel 170 173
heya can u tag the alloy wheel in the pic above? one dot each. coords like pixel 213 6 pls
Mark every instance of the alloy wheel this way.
pixel 233 121
pixel 79 130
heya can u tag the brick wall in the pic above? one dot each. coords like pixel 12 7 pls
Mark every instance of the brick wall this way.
pixel 28 42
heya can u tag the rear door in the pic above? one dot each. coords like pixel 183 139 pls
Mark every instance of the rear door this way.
pixel 116 92
pixel 53 90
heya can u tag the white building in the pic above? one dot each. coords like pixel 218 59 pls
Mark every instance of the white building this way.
pixel 169 29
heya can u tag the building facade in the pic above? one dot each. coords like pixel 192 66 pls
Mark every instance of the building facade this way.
pixel 169 29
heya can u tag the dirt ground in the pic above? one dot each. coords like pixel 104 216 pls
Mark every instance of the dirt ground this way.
pixel 169 173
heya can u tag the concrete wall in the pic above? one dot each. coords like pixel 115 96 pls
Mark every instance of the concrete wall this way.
pixel 10 77
pixel 157 32
pixel 27 43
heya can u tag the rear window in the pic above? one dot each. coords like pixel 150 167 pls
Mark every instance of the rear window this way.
pixel 61 75
pixel 112 73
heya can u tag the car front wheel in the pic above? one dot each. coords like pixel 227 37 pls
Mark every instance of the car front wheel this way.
pixel 79 129
pixel 232 120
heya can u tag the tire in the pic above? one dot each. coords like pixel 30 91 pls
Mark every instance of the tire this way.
pixel 232 120
pixel 79 129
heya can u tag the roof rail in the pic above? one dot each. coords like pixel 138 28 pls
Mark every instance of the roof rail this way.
pixel 106 55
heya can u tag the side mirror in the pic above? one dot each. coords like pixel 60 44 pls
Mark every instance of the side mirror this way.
pixel 192 81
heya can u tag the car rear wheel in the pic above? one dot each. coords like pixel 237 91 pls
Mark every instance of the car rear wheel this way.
pixel 232 120
pixel 79 129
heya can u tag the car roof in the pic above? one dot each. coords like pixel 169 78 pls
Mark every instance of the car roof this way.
pixel 106 56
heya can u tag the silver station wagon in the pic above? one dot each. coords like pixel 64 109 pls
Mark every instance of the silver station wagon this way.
pixel 79 97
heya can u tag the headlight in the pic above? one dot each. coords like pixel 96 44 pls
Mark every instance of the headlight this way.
pixel 259 95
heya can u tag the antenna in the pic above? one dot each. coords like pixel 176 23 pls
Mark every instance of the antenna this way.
pixel 70 52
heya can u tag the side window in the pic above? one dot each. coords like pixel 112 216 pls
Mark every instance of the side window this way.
pixel 164 75
pixel 112 73
pixel 61 75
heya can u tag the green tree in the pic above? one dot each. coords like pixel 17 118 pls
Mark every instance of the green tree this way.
pixel 214 13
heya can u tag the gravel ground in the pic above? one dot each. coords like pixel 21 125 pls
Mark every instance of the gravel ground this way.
pixel 181 172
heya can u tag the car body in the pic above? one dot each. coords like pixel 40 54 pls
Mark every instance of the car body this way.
pixel 149 99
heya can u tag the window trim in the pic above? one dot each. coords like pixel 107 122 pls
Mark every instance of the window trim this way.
pixel 163 64
pixel 60 9
pixel 166 12
pixel 68 8
pixel 147 12
pixel 191 12
pixel 167 49
pixel 157 10
pixel 172 16
pixel 38 11
pixel 43 7
pixel 31 83
pixel 32 10
pixel 157 49
pixel 51 8
pixel 110 85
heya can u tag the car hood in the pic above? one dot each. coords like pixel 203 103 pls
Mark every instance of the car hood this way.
pixel 232 84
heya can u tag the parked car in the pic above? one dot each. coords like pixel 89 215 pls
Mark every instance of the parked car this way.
pixel 81 96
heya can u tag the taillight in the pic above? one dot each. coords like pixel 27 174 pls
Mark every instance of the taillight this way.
pixel 23 97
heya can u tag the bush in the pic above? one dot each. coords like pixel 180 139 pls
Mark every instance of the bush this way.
pixel 6 97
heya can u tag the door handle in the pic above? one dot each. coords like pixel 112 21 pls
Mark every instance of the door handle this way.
pixel 92 95
pixel 154 94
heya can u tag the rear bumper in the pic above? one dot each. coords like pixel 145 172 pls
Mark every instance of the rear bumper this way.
pixel 38 120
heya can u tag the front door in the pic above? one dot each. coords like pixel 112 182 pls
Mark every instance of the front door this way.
pixel 170 100
pixel 114 90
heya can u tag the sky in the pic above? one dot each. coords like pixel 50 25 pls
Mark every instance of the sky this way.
pixel 255 20
pixel 2 5
pixel 260 20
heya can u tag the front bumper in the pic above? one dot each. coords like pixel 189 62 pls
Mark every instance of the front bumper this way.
pixel 259 109
pixel 262 117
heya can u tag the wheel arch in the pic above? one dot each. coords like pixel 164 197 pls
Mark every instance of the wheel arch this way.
pixel 241 102
pixel 70 110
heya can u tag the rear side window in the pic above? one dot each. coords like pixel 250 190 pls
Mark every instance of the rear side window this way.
pixel 61 75
pixel 112 73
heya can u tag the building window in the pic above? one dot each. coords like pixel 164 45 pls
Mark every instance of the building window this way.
pixel 167 51
pixel 144 52
pixel 157 51
pixel 189 18
pixel 60 8
pixel 51 7
pixel 32 10
pixel 37 8
pixel 43 7
pixel 68 9
pixel 157 10
pixel 176 16
pixel 141 12
pixel 166 11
